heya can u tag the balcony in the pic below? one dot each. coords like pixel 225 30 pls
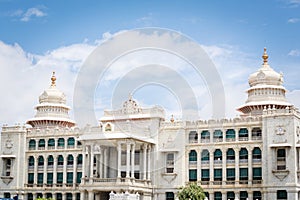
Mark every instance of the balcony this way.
pixel 116 183
pixel 192 163
pixel 243 139
pixel 193 141
pixel 256 138
pixel 256 160
pixel 71 146
pixel 218 139
pixel 205 140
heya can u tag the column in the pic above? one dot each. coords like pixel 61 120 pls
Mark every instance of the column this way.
pixel 55 169
pixel 64 196
pixel 127 160
pixel 35 169
pixel 83 163
pixel 149 163
pixel 119 148
pixel 91 162
pixel 97 196
pixel 198 164
pixel 250 194
pixel 145 161
pixel 101 163
pixel 74 196
pixel 45 170
pixel 74 170
pixel 65 169
pixel 250 166
pixel 237 164
pixel 82 195
pixel 91 195
pixel 249 134
pixel 105 164
pixel 224 195
pixel 132 160
pixel 236 134
pixel 211 166
pixel 55 143
pixel 224 165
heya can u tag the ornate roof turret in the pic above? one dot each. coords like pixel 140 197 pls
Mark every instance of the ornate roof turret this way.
pixel 52 109
pixel 265 90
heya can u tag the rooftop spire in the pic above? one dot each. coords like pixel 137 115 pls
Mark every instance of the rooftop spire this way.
pixel 53 79
pixel 265 56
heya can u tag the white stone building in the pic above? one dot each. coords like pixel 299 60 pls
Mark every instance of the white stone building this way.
pixel 134 153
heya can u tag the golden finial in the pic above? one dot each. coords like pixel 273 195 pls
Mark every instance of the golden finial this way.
pixel 53 79
pixel 172 118
pixel 265 56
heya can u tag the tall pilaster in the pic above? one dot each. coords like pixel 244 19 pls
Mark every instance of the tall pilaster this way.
pixel 119 148
pixel 132 160
pixel 127 159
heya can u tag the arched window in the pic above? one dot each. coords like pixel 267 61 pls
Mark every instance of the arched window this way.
pixel 31 161
pixel 205 155
pixel 60 160
pixel 243 154
pixel 193 156
pixel 243 195
pixel 71 142
pixel 218 154
pixel 32 144
pixel 108 127
pixel 230 155
pixel 70 160
pixel 218 136
pixel 50 160
pixel 256 133
pixel 41 143
pixel 243 134
pixel 79 159
pixel 193 137
pixel 257 195
pixel 230 195
pixel 256 154
pixel 205 136
pixel 51 143
pixel 230 135
pixel 41 161
pixel 218 196
pixel 61 143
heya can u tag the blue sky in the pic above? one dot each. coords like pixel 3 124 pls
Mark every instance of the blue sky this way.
pixel 234 32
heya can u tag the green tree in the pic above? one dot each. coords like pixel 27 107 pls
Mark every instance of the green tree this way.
pixel 191 192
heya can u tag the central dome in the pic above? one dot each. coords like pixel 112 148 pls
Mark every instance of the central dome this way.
pixel 265 75
pixel 52 94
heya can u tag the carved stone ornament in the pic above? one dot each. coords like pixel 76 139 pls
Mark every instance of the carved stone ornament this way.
pixel 9 144
pixel 6 179
pixel 281 174
pixel 169 177
pixel 280 130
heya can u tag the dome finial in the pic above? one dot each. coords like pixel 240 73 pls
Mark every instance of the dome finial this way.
pixel 265 56
pixel 53 79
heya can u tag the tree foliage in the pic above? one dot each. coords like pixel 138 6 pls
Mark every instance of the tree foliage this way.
pixel 191 192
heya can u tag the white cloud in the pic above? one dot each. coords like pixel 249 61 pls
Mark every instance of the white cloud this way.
pixel 32 12
pixel 26 75
pixel 293 20
pixel 293 3
pixel 294 52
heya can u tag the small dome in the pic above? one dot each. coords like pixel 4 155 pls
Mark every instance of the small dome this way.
pixel 265 75
pixel 52 94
